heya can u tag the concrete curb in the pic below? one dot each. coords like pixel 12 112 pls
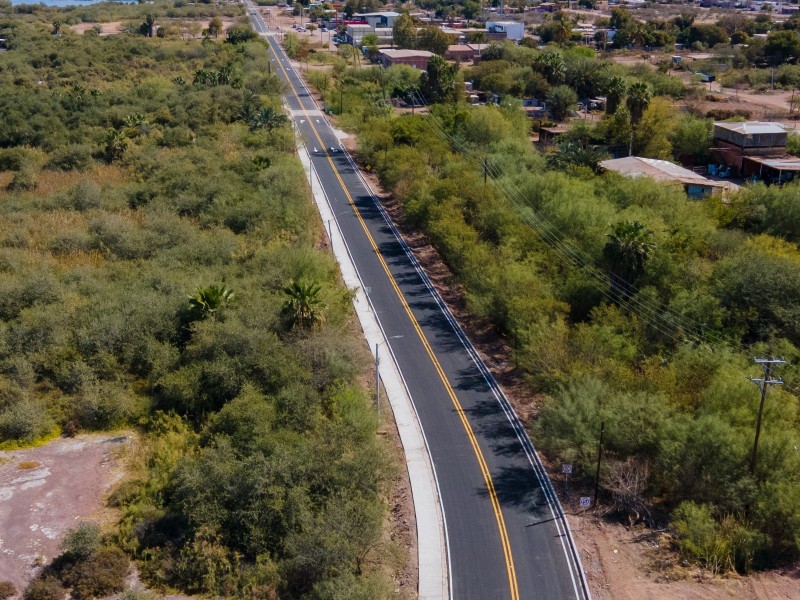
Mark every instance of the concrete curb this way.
pixel 432 547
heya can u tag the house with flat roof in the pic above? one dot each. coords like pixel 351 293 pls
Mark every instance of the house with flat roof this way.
pixel 694 184
pixel 514 30
pixel 415 58
pixel 379 19
pixel 735 143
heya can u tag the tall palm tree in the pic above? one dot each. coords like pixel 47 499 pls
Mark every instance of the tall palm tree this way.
pixel 638 100
pixel 626 252
pixel 303 307
pixel 615 93
pixel 206 302
pixel 268 118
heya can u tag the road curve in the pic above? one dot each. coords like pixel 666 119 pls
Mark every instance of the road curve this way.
pixel 507 535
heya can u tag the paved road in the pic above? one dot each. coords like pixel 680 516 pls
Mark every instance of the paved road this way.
pixel 506 534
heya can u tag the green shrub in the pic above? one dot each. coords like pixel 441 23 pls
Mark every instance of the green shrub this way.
pixel 101 573
pixel 7 590
pixel 81 541
pixel 25 421
pixel 46 588
pixel 74 157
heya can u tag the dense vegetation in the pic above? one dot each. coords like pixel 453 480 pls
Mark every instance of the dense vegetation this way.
pixel 158 270
pixel 625 303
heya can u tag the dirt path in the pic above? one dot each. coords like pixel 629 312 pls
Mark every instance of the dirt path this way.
pixel 47 490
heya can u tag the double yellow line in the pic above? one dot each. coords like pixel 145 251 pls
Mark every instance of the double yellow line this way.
pixel 498 514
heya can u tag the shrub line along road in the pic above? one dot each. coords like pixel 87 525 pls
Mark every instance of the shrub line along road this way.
pixel 507 536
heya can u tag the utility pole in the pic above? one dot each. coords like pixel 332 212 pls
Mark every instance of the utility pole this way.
pixel 599 458
pixel 768 364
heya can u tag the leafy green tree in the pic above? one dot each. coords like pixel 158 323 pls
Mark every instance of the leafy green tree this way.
pixel 304 307
pixel 561 100
pixel 433 39
pixel 628 248
pixel 207 302
pixel 782 47
pixel 654 130
pixel 404 31
pixel 691 140
pixel 215 27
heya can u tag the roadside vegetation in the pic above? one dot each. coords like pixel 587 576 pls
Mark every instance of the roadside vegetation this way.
pixel 626 305
pixel 159 270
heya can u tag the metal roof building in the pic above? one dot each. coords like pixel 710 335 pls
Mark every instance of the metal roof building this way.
pixel 694 184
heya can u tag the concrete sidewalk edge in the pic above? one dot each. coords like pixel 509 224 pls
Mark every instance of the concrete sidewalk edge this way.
pixel 432 552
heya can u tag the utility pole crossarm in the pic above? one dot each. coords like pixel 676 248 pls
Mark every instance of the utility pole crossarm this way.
pixel 763 383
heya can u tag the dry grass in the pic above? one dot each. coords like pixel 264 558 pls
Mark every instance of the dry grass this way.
pixel 29 464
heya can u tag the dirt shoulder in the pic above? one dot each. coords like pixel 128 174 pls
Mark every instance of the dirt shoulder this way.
pixel 47 490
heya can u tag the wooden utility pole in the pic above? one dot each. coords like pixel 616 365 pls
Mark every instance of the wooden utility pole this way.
pixel 768 364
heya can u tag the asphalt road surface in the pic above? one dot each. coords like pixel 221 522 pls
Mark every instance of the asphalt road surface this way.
pixel 506 534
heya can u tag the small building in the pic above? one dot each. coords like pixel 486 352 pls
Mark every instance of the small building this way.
pixel 355 32
pixel 735 141
pixel 379 19
pixel 550 135
pixel 772 169
pixel 695 185
pixel 513 30
pixel 415 58
pixel 465 52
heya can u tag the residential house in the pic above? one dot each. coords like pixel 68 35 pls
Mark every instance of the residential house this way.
pixel 415 58
pixel 694 184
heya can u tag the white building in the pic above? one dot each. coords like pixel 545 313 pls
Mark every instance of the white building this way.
pixel 514 30
pixel 379 19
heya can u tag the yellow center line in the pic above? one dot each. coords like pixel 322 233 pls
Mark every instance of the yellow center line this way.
pixel 509 559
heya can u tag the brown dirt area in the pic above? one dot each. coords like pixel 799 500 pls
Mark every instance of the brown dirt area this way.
pixel 117 27
pixel 47 490
pixel 621 564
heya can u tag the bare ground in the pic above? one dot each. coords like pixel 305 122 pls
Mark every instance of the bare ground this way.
pixel 47 490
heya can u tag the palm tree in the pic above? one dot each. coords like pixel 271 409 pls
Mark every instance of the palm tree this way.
pixel 615 93
pixel 250 106
pixel 268 118
pixel 303 307
pixel 116 145
pixel 205 302
pixel 627 250
pixel 638 100
pixel 550 64
pixel 575 153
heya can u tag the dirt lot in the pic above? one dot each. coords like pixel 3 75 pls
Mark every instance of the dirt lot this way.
pixel 635 565
pixel 117 27
pixel 47 490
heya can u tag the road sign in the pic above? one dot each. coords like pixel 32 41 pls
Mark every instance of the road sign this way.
pixel 586 501
pixel 566 469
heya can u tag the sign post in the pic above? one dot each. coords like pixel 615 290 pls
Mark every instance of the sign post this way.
pixel 566 469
